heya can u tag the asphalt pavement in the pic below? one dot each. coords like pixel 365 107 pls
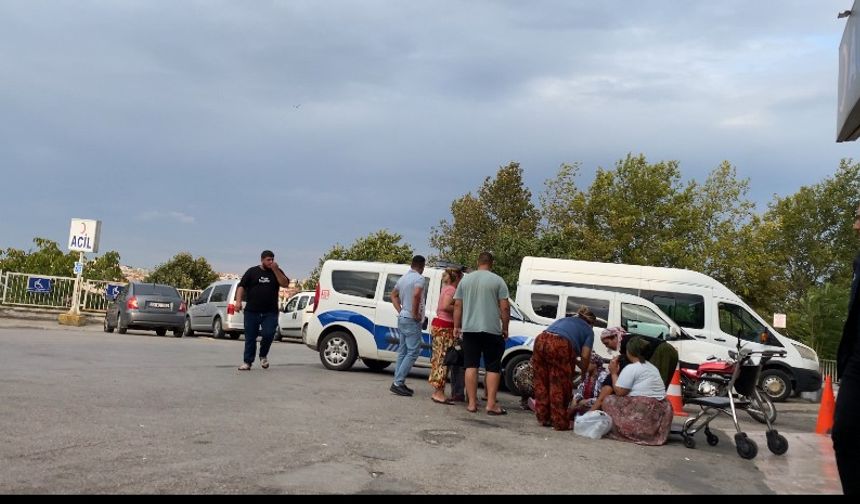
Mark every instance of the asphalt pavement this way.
pixel 86 412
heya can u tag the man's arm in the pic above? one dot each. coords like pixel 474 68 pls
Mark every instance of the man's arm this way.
pixel 505 314
pixel 458 316
pixel 240 292
pixel 416 303
pixel 283 280
pixel 395 300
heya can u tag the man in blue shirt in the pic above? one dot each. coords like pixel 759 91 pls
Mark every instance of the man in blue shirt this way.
pixel 408 299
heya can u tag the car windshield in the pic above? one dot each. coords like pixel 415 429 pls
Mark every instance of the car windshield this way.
pixel 155 290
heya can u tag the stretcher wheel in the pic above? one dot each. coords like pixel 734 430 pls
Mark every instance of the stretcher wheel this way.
pixel 776 443
pixel 689 442
pixel 712 439
pixel 747 448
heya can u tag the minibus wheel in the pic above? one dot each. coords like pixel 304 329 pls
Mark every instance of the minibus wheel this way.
pixel 338 351
pixel 776 384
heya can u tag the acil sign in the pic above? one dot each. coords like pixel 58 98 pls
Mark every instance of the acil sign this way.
pixel 84 235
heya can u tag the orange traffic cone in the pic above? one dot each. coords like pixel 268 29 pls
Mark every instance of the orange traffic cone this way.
pixel 673 393
pixel 827 409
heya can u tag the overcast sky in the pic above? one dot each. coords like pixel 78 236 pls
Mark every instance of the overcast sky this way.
pixel 223 128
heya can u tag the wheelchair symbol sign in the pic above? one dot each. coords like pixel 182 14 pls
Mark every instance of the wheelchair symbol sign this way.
pixel 112 291
pixel 37 284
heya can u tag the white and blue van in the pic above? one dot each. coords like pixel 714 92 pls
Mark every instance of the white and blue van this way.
pixel 354 318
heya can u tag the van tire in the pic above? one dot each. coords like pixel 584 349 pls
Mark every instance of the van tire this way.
pixel 375 365
pixel 217 328
pixel 235 335
pixel 338 351
pixel 510 370
pixel 161 331
pixel 776 383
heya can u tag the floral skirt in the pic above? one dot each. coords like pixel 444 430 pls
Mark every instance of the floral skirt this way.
pixel 641 420
pixel 442 339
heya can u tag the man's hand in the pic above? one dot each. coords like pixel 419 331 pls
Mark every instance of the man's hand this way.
pixel 275 266
pixel 504 333
pixel 237 306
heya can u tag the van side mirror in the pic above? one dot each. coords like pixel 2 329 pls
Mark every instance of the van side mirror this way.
pixel 764 337
pixel 674 333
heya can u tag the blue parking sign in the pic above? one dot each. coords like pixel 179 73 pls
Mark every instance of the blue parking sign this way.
pixel 112 291
pixel 38 284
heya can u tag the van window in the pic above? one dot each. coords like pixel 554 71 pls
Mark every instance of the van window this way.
pixel 600 308
pixel 355 283
pixel 624 290
pixel 303 301
pixel 545 305
pixel 219 293
pixel 638 319
pixel 738 322
pixel 291 305
pixel 687 310
pixel 204 297
pixel 391 281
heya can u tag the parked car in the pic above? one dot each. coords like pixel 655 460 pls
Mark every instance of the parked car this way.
pixel 214 312
pixel 294 317
pixel 146 306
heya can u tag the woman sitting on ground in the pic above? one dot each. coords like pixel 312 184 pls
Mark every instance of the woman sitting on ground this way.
pixel 638 407
pixel 589 388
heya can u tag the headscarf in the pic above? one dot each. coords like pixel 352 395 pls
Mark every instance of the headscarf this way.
pixel 588 383
pixel 613 331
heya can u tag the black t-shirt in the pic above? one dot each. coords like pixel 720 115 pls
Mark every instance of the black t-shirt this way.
pixel 261 290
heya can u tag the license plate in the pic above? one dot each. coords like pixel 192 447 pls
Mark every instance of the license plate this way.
pixel 160 305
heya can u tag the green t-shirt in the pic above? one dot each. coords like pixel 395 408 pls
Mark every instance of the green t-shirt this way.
pixel 480 292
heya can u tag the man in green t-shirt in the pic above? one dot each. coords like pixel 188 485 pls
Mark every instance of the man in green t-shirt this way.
pixel 482 313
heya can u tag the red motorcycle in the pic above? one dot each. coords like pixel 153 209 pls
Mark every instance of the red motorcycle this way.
pixel 711 379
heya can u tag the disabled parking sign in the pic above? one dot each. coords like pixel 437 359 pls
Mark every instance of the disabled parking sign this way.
pixel 112 291
pixel 38 285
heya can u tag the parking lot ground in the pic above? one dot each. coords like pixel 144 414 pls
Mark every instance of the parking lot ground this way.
pixel 84 411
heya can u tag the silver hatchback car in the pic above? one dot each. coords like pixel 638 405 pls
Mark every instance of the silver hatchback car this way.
pixel 214 312
pixel 146 306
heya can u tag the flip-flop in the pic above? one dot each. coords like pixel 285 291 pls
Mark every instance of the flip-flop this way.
pixel 446 401
pixel 471 410
pixel 502 411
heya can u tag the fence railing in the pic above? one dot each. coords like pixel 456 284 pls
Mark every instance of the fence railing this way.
pixel 16 290
pixel 828 367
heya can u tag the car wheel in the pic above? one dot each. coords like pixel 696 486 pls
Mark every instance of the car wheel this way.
pixel 177 331
pixel 107 327
pixel 161 331
pixel 375 365
pixel 187 331
pixel 514 364
pixel 305 332
pixel 278 335
pixel 217 328
pixel 119 327
pixel 776 384
pixel 338 351
pixel 235 335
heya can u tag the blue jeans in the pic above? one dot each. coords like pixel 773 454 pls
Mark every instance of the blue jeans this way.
pixel 253 322
pixel 410 347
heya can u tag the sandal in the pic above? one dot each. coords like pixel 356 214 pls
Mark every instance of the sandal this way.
pixel 446 401
pixel 472 410
pixel 501 411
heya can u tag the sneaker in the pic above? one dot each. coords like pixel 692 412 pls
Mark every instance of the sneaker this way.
pixel 399 390
pixel 408 389
pixel 264 363
pixel 245 367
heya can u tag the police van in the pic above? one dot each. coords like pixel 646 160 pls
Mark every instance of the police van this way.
pixel 702 306
pixel 354 318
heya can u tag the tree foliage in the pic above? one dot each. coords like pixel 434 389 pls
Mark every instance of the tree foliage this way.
pixel 380 246
pixel 818 317
pixel 48 259
pixel 184 272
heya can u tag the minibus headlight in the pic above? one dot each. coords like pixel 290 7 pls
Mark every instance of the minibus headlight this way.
pixel 806 353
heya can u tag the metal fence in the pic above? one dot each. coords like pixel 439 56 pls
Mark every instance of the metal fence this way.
pixel 828 367
pixel 16 289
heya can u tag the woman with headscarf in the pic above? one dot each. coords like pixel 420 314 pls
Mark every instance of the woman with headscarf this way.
pixel 638 407
pixel 553 362
pixel 442 338
pixel 589 388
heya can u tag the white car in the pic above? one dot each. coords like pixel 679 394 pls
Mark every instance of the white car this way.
pixel 293 318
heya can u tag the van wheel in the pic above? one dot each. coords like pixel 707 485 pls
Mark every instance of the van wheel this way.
pixel 375 365
pixel 338 351
pixel 776 384
pixel 235 335
pixel 511 368
pixel 305 332
pixel 217 328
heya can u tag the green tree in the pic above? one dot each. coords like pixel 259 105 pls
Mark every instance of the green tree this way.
pixel 501 218
pixel 818 317
pixel 381 246
pixel 184 272
pixel 49 259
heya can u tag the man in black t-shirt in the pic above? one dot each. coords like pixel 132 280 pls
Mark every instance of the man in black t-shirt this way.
pixel 260 286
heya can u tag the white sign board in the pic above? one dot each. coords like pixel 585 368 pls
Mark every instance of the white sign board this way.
pixel 779 320
pixel 84 235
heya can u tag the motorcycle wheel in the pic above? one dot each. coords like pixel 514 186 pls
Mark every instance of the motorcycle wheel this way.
pixel 761 407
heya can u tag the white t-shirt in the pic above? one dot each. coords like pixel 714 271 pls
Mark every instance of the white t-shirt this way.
pixel 642 379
